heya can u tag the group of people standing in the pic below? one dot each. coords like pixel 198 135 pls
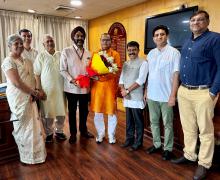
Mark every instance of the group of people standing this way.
pixel 38 85
pixel 50 76
pixel 192 77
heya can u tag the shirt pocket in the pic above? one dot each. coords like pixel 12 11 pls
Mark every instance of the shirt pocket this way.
pixel 165 67
pixel 197 54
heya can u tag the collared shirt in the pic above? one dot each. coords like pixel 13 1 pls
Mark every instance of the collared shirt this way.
pixel 162 65
pixel 30 54
pixel 140 80
pixel 200 61
pixel 71 66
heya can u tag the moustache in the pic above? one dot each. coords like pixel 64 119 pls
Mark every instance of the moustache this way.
pixel 80 40
pixel 131 54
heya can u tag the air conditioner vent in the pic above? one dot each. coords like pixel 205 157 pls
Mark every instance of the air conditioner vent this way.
pixel 64 8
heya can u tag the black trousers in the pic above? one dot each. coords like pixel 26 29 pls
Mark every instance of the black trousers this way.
pixel 134 122
pixel 73 99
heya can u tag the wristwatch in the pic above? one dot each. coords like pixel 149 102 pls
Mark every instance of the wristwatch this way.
pixel 127 91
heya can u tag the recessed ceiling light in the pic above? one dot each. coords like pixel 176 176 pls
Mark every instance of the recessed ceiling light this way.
pixel 76 2
pixel 78 17
pixel 31 11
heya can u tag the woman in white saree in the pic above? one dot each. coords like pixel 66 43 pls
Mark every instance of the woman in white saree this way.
pixel 21 96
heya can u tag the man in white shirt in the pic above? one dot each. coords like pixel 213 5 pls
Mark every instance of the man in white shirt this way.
pixel 132 80
pixel 73 63
pixel 49 79
pixel 29 52
pixel 163 81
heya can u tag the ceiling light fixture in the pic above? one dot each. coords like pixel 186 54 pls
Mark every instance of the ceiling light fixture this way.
pixel 78 17
pixel 31 11
pixel 76 2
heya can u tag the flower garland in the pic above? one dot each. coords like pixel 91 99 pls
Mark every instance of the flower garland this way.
pixel 108 61
pixel 96 68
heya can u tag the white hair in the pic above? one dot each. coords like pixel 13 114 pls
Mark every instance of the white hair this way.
pixel 13 37
pixel 45 36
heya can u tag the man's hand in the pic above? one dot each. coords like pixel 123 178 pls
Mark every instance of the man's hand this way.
pixel 73 81
pixel 42 95
pixel 172 101
pixel 145 97
pixel 95 78
pixel 123 92
pixel 212 96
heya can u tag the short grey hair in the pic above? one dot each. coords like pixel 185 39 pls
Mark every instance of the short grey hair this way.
pixel 13 37
pixel 46 36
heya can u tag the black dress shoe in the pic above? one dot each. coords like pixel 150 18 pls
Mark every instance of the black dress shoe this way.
pixel 72 139
pixel 181 160
pixel 153 149
pixel 134 148
pixel 60 136
pixel 167 155
pixel 201 173
pixel 49 139
pixel 87 135
pixel 126 144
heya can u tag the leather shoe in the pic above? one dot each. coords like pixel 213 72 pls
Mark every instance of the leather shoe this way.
pixel 87 135
pixel 181 160
pixel 49 139
pixel 200 173
pixel 126 144
pixel 134 148
pixel 60 136
pixel 72 139
pixel 153 149
pixel 167 155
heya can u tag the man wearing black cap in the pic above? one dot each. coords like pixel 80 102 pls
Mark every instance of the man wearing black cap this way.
pixel 73 62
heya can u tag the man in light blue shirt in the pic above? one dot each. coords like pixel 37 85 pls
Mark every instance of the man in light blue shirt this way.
pixel 163 81
pixel 131 82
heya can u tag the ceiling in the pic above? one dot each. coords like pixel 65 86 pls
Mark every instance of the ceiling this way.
pixel 90 9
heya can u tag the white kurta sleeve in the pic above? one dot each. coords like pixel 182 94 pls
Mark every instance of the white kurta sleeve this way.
pixel 38 65
pixel 142 73
pixel 121 78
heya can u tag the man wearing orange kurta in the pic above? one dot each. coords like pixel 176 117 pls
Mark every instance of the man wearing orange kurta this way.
pixel 104 94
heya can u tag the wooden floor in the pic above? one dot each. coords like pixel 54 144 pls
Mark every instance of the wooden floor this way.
pixel 88 160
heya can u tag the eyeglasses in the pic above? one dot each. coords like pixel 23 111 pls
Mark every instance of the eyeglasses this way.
pixel 105 40
pixel 49 41
pixel 199 20
pixel 26 36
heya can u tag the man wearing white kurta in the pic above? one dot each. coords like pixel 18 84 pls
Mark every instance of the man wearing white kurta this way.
pixel 29 52
pixel 132 80
pixel 46 69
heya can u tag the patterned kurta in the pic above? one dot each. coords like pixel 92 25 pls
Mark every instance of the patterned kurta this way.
pixel 104 91
pixel 27 129
pixel 47 67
